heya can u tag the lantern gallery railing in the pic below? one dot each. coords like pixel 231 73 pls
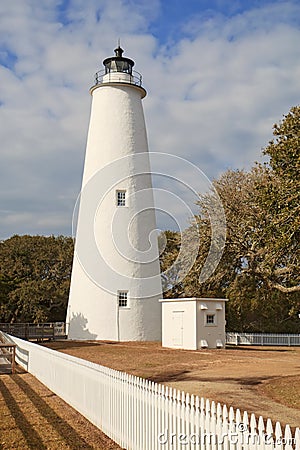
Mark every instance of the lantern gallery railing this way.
pixel 118 77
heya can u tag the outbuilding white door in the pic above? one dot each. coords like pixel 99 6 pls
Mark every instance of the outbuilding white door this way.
pixel 177 328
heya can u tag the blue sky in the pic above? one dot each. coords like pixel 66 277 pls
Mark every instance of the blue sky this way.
pixel 218 74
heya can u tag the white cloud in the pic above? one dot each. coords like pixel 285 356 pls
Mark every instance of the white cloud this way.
pixel 225 94
pixel 212 98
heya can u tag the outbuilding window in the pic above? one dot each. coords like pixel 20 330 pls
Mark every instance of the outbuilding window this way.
pixel 210 319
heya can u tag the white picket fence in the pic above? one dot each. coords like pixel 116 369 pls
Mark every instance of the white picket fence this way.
pixel 141 415
pixel 262 339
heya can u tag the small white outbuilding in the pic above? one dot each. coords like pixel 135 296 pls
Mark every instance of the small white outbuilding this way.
pixel 193 323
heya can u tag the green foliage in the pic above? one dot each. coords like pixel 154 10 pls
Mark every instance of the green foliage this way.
pixel 284 151
pixel 34 278
pixel 280 198
pixel 260 268
pixel 169 247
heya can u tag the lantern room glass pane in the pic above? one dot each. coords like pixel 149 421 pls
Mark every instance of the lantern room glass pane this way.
pixel 116 65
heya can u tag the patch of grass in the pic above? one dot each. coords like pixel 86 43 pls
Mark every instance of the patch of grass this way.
pixel 284 390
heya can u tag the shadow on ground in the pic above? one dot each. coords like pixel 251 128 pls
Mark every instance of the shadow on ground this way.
pixel 186 375
pixel 20 415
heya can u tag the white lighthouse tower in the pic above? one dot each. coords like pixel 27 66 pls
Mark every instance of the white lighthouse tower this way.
pixel 115 285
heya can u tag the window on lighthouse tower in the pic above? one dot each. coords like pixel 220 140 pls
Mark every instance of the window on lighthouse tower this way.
pixel 123 299
pixel 121 198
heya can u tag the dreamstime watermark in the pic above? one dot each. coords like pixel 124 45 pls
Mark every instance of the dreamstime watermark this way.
pixel 241 437
pixel 103 231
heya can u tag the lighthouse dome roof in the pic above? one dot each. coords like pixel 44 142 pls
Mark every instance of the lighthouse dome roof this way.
pixel 118 63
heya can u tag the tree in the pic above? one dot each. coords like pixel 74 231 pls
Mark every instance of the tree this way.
pixel 7 285
pixel 169 247
pixel 280 197
pixel 260 268
pixel 35 278
pixel 246 271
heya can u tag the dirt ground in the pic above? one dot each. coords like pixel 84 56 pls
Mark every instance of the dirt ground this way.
pixel 262 380
pixel 32 417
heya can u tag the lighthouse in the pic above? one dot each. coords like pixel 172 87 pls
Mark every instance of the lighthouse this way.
pixel 115 284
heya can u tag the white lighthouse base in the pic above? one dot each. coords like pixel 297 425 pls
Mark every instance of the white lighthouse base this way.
pixel 95 314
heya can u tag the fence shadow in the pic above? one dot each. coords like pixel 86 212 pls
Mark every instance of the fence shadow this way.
pixel 29 433
pixel 257 348
pixel 62 427
pixel 22 357
pixel 65 344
